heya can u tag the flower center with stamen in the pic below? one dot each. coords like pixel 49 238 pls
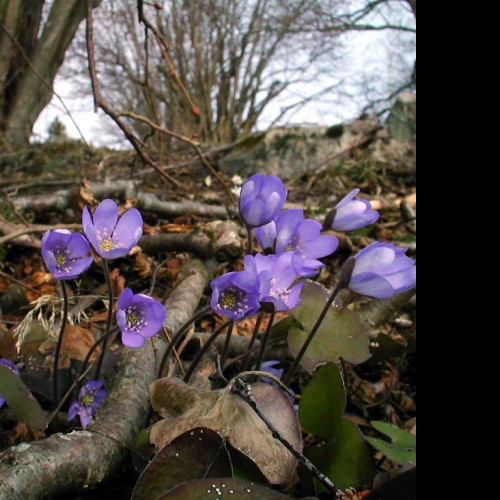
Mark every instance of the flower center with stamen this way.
pixel 61 259
pixel 87 400
pixel 107 245
pixel 135 319
pixel 233 300
pixel 229 300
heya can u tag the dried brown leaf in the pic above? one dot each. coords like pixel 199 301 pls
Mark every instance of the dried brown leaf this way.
pixel 143 265
pixel 118 281
pixel 77 342
pixel 185 408
pixel 177 228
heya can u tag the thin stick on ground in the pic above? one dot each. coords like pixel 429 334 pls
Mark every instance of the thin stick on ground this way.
pixel 204 350
pixel 247 395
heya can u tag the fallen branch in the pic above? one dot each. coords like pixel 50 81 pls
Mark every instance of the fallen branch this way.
pixel 126 190
pixel 82 459
pixel 21 238
pixel 218 240
pixel 377 312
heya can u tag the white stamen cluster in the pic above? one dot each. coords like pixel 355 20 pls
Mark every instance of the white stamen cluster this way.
pixel 233 299
pixel 63 260
pixel 135 319
pixel 282 294
pixel 106 241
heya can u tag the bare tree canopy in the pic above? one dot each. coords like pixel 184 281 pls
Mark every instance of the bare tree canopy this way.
pixel 205 68
pixel 209 70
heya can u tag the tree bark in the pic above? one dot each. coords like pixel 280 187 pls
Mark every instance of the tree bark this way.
pixel 81 459
pixel 33 62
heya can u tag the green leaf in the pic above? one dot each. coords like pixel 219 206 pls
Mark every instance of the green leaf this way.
pixel 341 335
pixel 280 330
pixel 244 467
pixel 194 455
pixel 210 489
pixel 323 402
pixel 142 446
pixel 403 446
pixel 24 406
pixel 346 459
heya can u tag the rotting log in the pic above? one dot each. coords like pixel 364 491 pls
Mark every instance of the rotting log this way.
pixel 81 459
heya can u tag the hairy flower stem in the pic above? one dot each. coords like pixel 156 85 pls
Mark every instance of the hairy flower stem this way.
pixel 54 414
pixel 343 283
pixel 104 338
pixel 225 352
pixel 177 337
pixel 265 340
pixel 110 318
pixel 205 348
pixel 250 240
pixel 256 331
pixel 55 381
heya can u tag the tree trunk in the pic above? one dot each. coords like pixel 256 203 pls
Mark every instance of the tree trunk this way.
pixel 26 87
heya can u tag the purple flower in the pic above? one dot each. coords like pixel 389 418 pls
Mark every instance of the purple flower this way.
pixel 112 236
pixel 262 199
pixel 352 213
pixel 383 270
pixel 236 295
pixel 90 401
pixel 292 233
pixel 11 366
pixel 66 254
pixel 270 367
pixel 139 317
pixel 277 278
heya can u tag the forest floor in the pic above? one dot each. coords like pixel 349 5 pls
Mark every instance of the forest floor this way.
pixel 384 388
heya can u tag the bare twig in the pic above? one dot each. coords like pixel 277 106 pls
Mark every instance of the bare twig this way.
pixel 99 102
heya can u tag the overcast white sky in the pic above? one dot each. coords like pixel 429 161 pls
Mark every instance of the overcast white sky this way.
pixel 367 53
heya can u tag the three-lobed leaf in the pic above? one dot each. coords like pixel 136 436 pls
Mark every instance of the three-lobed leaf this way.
pixel 346 457
pixel 403 446
pixel 341 335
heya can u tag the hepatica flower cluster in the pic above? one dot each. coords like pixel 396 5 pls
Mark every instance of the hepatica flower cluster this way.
pixel 292 249
pixel 67 255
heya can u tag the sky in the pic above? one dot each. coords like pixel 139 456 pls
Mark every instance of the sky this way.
pixel 367 55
